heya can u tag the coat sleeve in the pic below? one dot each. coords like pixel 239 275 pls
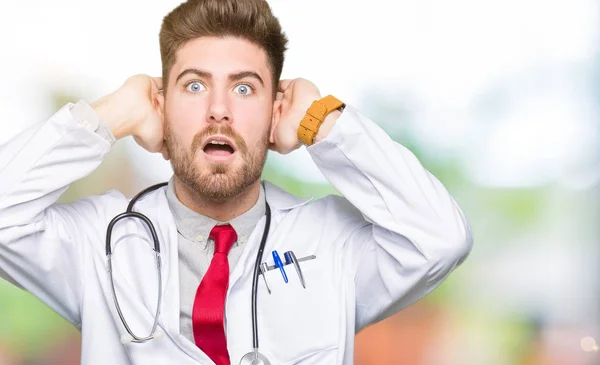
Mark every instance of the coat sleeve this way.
pixel 40 248
pixel 412 233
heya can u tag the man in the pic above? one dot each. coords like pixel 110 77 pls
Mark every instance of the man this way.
pixel 394 236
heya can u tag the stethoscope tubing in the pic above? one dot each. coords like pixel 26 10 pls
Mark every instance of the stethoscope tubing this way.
pixel 259 255
pixel 131 214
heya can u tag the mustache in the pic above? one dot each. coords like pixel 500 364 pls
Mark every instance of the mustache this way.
pixel 222 129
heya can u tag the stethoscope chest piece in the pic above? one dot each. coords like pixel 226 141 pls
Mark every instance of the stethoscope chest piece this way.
pixel 254 358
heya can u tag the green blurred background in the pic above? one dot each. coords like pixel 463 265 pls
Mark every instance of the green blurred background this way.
pixel 498 99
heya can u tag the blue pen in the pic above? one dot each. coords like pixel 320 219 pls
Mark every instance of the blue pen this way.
pixel 279 264
pixel 288 257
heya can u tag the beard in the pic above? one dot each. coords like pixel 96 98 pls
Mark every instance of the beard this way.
pixel 216 181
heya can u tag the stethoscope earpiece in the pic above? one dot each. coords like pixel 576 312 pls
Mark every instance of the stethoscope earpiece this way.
pixel 126 339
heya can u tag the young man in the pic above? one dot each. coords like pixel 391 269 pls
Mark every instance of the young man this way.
pixel 219 107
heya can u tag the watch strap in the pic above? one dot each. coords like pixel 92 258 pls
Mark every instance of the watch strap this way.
pixel 315 115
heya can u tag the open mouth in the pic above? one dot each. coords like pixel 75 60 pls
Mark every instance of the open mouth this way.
pixel 219 148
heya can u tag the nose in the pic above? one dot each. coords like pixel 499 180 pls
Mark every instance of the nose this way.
pixel 219 109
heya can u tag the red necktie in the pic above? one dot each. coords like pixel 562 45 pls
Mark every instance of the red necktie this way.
pixel 209 304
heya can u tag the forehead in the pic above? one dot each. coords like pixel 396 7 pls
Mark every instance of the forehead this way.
pixel 221 56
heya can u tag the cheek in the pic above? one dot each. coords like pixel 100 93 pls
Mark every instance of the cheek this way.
pixel 184 116
pixel 252 119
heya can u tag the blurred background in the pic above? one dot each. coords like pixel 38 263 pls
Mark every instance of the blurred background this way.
pixel 499 99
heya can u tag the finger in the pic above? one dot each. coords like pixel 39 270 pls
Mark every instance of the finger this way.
pixel 279 96
pixel 284 85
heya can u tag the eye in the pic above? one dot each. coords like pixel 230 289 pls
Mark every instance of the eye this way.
pixel 243 89
pixel 195 86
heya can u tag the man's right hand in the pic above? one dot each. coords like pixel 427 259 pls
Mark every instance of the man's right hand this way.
pixel 134 110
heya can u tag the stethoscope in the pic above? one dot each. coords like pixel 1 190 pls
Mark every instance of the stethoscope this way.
pixel 251 358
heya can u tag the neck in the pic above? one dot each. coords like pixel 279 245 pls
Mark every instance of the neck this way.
pixel 220 210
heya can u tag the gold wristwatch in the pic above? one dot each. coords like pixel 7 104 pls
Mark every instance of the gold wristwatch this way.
pixel 315 115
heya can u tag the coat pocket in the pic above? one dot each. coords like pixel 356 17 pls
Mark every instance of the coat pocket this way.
pixel 295 322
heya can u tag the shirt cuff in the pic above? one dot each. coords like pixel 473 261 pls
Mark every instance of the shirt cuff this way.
pixel 85 115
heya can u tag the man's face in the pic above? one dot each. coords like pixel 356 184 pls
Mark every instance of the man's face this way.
pixel 218 111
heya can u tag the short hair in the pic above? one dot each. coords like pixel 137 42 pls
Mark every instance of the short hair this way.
pixel 247 19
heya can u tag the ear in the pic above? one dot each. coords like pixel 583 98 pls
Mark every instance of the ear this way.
pixel 159 106
pixel 275 119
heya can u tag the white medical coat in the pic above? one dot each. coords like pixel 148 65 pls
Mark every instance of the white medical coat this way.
pixel 394 236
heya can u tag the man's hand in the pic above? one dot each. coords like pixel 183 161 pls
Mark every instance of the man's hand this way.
pixel 133 110
pixel 294 97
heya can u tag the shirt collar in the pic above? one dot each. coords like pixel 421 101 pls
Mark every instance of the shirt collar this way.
pixel 196 227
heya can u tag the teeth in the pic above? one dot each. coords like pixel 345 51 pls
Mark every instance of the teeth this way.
pixel 218 142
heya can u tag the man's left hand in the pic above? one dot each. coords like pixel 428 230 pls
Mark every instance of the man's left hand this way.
pixel 294 97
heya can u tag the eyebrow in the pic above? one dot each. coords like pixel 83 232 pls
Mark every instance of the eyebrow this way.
pixel 232 77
